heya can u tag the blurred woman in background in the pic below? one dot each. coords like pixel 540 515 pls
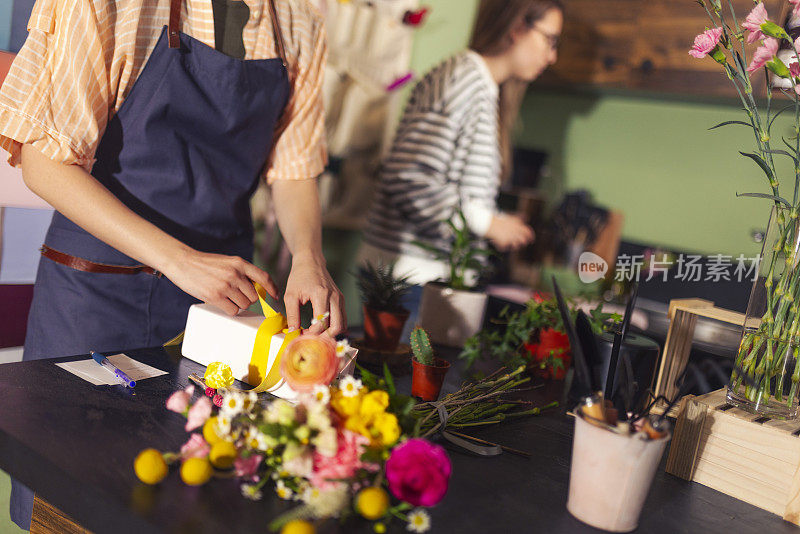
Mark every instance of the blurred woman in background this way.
pixel 453 145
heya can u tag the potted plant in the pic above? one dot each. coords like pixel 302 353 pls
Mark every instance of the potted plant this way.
pixel 451 310
pixel 384 316
pixel 534 337
pixel 427 371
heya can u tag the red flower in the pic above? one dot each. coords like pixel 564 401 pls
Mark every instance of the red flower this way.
pixel 552 345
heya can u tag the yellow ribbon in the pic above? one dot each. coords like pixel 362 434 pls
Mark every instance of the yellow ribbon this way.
pixel 274 323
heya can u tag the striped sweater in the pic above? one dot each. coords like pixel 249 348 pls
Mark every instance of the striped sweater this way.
pixel 445 155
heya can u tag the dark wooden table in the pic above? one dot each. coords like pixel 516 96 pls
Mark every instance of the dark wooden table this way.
pixel 74 444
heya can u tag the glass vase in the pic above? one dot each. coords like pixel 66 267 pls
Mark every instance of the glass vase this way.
pixel 766 375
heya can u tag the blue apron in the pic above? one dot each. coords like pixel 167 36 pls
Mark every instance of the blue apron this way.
pixel 185 151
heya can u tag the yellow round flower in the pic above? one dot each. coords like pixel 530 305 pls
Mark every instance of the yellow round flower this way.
pixel 218 375
pixel 196 471
pixel 346 406
pixel 374 403
pixel 150 466
pixel 385 429
pixel 210 432
pixel 298 526
pixel 358 425
pixel 222 454
pixel 379 528
pixel 372 502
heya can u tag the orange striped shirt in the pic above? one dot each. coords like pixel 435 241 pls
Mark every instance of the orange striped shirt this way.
pixel 82 57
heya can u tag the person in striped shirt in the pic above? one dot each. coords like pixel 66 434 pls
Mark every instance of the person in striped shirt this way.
pixel 453 143
pixel 147 124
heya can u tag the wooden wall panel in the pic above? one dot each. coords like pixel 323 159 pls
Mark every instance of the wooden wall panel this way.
pixel 643 45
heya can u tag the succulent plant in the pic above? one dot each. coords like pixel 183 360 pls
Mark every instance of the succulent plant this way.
pixel 421 347
pixel 379 287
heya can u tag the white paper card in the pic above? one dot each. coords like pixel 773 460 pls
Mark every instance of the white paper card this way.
pixel 98 375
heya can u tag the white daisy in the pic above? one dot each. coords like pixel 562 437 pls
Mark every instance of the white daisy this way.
pixel 321 394
pixel 342 347
pixel 223 426
pixel 320 318
pixel 250 400
pixel 282 491
pixel 349 386
pixel 419 521
pixel 328 503
pixel 252 492
pixel 232 403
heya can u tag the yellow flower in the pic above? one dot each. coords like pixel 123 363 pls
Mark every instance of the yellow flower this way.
pixel 372 503
pixel 374 403
pixel 298 526
pixel 196 471
pixel 218 375
pixel 222 454
pixel 385 429
pixel 150 466
pixel 210 432
pixel 357 424
pixel 346 406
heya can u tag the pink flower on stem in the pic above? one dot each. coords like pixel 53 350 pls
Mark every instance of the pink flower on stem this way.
pixel 753 22
pixel 706 42
pixel 344 464
pixel 196 447
pixel 198 413
pixel 247 467
pixel 179 401
pixel 763 54
pixel 418 472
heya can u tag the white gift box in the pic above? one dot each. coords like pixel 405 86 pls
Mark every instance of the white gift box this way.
pixel 214 336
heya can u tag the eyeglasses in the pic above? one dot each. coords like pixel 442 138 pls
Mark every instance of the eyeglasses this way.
pixel 552 39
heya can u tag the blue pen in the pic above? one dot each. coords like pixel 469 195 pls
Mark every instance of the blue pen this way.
pixel 122 377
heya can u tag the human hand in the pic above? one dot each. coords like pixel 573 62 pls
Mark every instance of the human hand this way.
pixel 508 232
pixel 309 280
pixel 224 281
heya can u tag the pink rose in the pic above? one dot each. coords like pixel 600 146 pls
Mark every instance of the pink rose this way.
pixel 198 413
pixel 247 467
pixel 344 464
pixel 196 447
pixel 179 401
pixel 418 472
pixel 706 42
pixel 763 54
pixel 753 22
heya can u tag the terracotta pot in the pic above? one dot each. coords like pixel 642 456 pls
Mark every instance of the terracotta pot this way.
pixel 426 380
pixel 449 315
pixel 382 329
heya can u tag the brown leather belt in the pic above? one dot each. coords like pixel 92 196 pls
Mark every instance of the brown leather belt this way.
pixel 81 264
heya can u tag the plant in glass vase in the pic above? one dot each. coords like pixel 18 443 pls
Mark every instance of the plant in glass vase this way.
pixel 770 343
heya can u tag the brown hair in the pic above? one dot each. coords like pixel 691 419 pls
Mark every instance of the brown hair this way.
pixel 491 36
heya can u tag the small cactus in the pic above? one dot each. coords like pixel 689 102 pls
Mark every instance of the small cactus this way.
pixel 421 347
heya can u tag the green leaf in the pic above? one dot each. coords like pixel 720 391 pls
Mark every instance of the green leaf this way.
pixel 764 195
pixel 389 380
pixel 726 123
pixel 783 153
pixel 772 120
pixel 761 163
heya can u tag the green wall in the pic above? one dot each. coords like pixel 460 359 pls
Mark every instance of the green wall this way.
pixel 650 156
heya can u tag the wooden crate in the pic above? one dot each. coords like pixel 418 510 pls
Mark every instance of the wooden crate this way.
pixel 683 314
pixel 752 458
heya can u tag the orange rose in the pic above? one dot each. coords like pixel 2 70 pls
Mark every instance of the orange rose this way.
pixel 309 360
